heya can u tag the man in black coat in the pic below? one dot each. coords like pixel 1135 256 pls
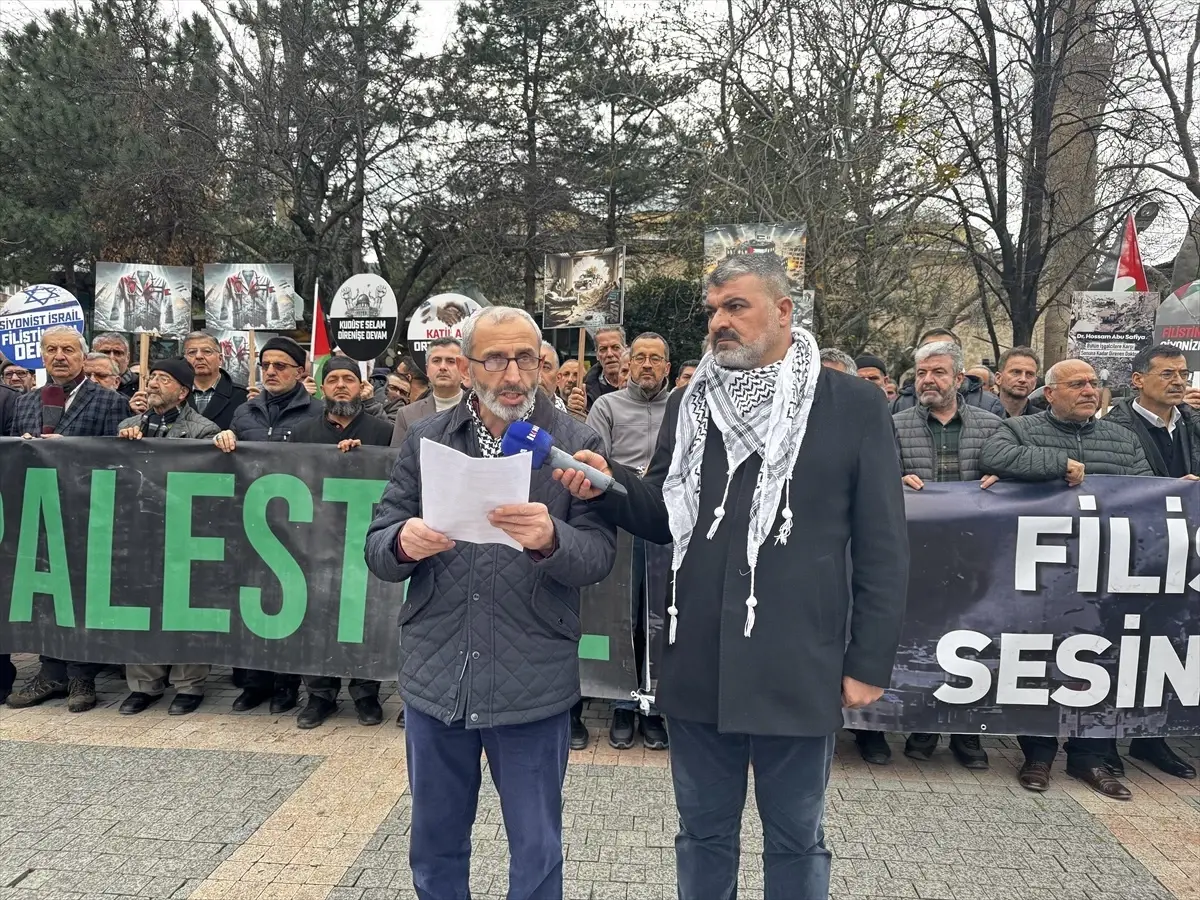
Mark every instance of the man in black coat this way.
pixel 346 424
pixel 1169 430
pixel 763 651
pixel 276 414
pixel 215 396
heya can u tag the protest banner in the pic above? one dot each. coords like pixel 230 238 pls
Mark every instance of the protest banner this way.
pixel 249 297
pixel 441 316
pixel 27 314
pixel 362 317
pixel 1032 608
pixel 122 552
pixel 142 299
pixel 1108 328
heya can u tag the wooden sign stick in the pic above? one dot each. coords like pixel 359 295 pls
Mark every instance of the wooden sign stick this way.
pixel 143 359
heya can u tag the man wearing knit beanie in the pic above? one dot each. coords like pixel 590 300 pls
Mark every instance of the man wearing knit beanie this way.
pixel 275 414
pixel 167 416
pixel 348 425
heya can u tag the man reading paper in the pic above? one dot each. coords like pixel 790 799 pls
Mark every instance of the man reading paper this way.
pixel 489 637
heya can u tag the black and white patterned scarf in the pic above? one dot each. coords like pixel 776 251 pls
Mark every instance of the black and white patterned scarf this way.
pixel 763 411
pixel 489 444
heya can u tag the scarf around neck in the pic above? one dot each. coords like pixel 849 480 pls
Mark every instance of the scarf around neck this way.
pixel 760 411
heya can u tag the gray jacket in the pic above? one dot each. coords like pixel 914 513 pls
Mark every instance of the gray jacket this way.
pixel 1037 447
pixel 190 424
pixel 409 415
pixel 490 635
pixel 917 455
pixel 628 422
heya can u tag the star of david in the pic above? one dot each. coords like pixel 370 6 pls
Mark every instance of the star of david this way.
pixel 41 294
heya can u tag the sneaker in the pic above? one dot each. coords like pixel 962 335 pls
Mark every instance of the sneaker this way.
pixel 873 747
pixel 968 751
pixel 316 712
pixel 368 710
pixel 620 735
pixel 654 732
pixel 920 746
pixel 81 694
pixel 286 697
pixel 36 691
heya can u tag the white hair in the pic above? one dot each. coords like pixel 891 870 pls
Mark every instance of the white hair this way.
pixel 55 331
pixel 546 345
pixel 942 348
pixel 497 315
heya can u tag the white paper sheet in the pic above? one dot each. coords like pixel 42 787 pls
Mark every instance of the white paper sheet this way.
pixel 458 492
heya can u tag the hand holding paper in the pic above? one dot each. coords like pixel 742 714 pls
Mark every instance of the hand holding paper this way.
pixel 459 493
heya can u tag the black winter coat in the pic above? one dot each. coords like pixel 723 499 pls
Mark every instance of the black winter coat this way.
pixel 1122 413
pixel 785 679
pixel 490 635
pixel 252 421
pixel 226 398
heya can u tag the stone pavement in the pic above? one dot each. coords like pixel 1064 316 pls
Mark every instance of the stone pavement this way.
pixel 224 806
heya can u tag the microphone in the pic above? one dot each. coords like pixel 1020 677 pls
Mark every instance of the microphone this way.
pixel 54 399
pixel 521 437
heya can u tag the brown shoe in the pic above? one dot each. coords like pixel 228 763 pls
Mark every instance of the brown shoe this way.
pixel 81 694
pixel 1035 776
pixel 1102 781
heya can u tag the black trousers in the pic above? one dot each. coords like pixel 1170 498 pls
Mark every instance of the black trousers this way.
pixel 259 680
pixel 1082 753
pixel 326 687
pixel 8 675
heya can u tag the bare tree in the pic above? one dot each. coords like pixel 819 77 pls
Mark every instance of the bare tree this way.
pixel 996 74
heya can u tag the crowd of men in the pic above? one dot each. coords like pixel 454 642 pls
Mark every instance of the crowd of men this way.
pixel 951 423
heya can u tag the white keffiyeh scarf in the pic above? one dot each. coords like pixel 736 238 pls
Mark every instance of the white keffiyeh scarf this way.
pixel 763 411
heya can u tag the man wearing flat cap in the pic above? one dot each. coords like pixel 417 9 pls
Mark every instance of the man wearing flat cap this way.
pixel 346 423
pixel 275 414
pixel 167 416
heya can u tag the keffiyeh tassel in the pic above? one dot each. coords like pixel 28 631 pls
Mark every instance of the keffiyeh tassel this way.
pixel 673 610
pixel 751 602
pixel 785 530
pixel 719 512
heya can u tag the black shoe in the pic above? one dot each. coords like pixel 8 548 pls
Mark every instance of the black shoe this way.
pixel 968 751
pixel 1116 765
pixel 250 698
pixel 285 698
pixel 36 691
pixel 620 735
pixel 138 702
pixel 873 747
pixel 400 718
pixel 184 704
pixel 579 734
pixel 316 712
pixel 369 711
pixel 81 694
pixel 654 732
pixel 1156 752
pixel 921 746
pixel 1034 776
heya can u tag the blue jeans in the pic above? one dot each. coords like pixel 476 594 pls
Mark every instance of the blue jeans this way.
pixel 528 765
pixel 709 770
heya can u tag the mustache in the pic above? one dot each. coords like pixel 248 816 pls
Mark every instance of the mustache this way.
pixel 727 334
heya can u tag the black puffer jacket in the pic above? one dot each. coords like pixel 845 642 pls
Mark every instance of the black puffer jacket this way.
pixel 917 454
pixel 253 421
pixel 1123 413
pixel 1037 447
pixel 970 394
pixel 490 635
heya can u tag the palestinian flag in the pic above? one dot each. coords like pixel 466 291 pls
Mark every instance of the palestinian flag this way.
pixel 1131 274
pixel 318 351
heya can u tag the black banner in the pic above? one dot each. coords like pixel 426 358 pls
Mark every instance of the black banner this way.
pixel 173 552
pixel 1032 609
pixel 1043 609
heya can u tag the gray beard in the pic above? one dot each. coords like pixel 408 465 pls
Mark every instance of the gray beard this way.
pixel 343 408
pixel 510 414
pixel 745 356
